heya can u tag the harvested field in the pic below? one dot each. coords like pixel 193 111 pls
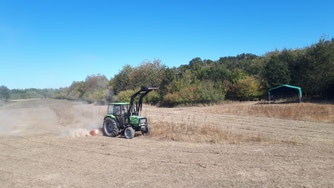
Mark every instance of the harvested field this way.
pixel 296 111
pixel 45 143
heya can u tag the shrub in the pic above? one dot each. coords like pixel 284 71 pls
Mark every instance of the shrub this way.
pixel 99 96
pixel 246 89
pixel 152 98
pixel 125 96
pixel 204 92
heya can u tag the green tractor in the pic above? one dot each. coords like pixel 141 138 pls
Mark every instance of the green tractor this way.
pixel 124 118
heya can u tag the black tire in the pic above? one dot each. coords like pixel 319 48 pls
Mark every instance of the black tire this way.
pixel 147 131
pixel 110 127
pixel 129 133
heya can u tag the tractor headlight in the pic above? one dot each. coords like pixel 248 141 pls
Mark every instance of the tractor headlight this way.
pixel 142 121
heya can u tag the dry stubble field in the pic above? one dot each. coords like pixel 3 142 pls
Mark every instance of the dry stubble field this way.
pixel 44 143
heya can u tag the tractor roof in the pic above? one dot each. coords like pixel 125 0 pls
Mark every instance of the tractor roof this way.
pixel 120 103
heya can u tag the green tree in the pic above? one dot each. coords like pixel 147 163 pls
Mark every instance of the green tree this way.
pixel 168 76
pixel 147 74
pixel 94 82
pixel 317 69
pixel 121 80
pixel 276 72
pixel 215 72
pixel 237 74
pixel 4 93
pixel 76 90
pixel 196 64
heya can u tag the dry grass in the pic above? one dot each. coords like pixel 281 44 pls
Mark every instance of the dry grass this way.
pixel 206 133
pixel 296 111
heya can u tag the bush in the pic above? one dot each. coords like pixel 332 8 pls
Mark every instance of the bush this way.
pixel 125 96
pixel 152 98
pixel 247 89
pixel 204 92
pixel 210 92
pixel 99 96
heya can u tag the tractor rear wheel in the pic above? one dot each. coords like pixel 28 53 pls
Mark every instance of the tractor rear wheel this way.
pixel 110 127
pixel 129 133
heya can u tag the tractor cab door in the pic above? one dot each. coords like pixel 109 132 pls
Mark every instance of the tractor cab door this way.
pixel 126 115
pixel 120 112
pixel 117 112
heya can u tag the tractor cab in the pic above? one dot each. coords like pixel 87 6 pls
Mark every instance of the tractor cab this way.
pixel 118 109
pixel 120 113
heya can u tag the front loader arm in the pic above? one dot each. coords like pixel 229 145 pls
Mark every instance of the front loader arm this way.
pixel 142 92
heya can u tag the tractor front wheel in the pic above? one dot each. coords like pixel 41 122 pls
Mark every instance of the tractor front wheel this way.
pixel 110 127
pixel 129 133
pixel 146 131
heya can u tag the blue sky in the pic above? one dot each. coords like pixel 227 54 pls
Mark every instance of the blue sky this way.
pixel 50 43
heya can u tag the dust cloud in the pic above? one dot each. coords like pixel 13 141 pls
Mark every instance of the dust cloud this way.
pixel 49 117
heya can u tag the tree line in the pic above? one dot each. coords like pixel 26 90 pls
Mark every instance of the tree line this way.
pixel 6 94
pixel 241 77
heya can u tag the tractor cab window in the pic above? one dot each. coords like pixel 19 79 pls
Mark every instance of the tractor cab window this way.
pixel 110 109
pixel 114 109
pixel 124 108
pixel 117 110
